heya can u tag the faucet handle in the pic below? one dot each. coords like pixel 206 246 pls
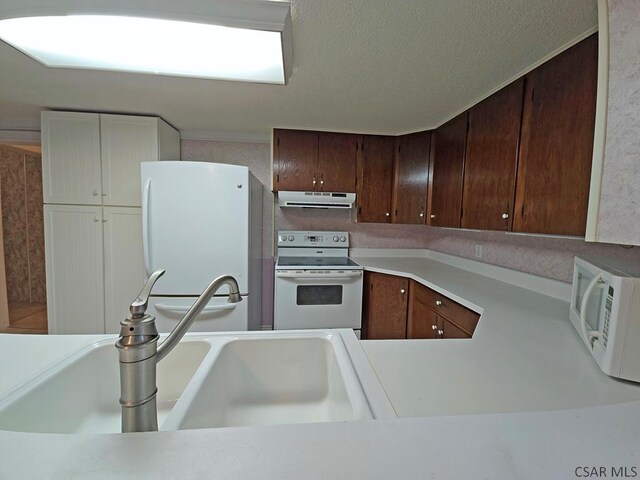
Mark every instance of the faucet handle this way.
pixel 139 305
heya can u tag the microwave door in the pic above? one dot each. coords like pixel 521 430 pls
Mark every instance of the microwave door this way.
pixel 590 304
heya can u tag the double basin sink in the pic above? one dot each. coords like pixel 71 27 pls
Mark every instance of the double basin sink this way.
pixel 208 381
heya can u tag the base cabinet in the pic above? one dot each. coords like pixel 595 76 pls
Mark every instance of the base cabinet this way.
pixel 395 307
pixel 432 315
pixel 124 272
pixel 94 266
pixel 384 311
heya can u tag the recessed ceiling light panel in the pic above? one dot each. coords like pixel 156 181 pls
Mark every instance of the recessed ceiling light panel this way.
pixel 151 45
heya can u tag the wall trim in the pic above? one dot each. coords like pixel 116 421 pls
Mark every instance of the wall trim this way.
pixel 20 137
pixel 225 136
pixel 600 130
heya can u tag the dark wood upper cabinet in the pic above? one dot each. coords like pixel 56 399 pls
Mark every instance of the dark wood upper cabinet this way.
pixel 491 160
pixel 411 178
pixel 314 161
pixel 295 160
pixel 447 170
pixel 337 155
pixel 384 313
pixel 375 179
pixel 556 143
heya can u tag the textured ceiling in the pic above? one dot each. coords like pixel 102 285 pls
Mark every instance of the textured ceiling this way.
pixel 371 66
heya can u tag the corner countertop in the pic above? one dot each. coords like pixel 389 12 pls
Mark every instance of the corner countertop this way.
pixel 524 357
pixel 525 354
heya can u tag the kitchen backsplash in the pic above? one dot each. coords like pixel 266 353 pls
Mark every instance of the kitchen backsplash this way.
pixel 546 256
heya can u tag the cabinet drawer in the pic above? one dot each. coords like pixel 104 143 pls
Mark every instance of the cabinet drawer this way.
pixel 452 311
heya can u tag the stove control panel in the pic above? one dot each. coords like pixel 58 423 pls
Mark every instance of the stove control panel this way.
pixel 313 239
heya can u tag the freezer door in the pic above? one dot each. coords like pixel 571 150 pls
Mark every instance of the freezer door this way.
pixel 217 316
pixel 195 224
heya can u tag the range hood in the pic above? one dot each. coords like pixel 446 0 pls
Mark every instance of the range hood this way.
pixel 316 199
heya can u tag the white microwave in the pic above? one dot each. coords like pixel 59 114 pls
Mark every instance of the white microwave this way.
pixel 605 310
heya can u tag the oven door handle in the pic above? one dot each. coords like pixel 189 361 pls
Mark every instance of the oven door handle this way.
pixel 185 308
pixel 318 276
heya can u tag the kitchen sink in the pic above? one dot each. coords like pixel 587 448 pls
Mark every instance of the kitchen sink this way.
pixel 273 379
pixel 80 394
pixel 209 380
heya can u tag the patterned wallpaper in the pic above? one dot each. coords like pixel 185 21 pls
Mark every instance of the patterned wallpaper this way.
pixel 550 257
pixel 546 256
pixel 23 225
pixel 618 217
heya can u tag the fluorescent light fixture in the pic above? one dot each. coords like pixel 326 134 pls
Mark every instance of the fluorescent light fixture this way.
pixel 152 45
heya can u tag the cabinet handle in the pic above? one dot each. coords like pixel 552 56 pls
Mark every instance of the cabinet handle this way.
pixel 433 215
pixel 321 181
pixel 505 215
pixel 440 332
pixel 387 214
pixel 95 193
pixel 96 219
pixel 402 291
pixel 314 181
pixel 438 302
pixel 104 220
pixel 421 213
pixel 104 194
pixel 434 327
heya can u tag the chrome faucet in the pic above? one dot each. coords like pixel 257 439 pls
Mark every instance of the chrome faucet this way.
pixel 139 352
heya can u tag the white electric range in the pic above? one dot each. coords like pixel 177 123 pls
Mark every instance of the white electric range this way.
pixel 317 285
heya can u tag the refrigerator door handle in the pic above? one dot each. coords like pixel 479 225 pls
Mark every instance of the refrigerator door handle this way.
pixel 185 309
pixel 145 225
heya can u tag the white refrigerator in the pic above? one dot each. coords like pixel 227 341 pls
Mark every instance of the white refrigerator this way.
pixel 199 221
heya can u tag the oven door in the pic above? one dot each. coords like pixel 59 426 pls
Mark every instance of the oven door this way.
pixel 312 299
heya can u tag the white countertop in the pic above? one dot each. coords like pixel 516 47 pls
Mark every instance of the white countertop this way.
pixel 524 356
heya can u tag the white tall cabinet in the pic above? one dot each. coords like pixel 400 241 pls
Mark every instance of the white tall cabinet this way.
pixel 93 228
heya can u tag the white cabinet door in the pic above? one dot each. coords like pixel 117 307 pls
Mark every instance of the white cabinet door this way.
pixel 71 158
pixel 126 142
pixel 75 276
pixel 123 265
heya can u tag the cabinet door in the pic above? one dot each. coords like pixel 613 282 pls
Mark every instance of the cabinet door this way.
pixel 447 166
pixel 337 156
pixel 385 306
pixel 75 286
pixel 491 160
pixel 411 177
pixel 556 144
pixel 449 330
pixel 375 179
pixel 124 273
pixel 295 160
pixel 126 142
pixel 71 158
pixel 423 321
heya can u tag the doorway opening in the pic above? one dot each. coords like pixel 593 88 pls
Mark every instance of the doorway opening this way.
pixel 23 295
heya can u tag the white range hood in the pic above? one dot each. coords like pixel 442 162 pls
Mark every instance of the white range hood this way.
pixel 316 199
